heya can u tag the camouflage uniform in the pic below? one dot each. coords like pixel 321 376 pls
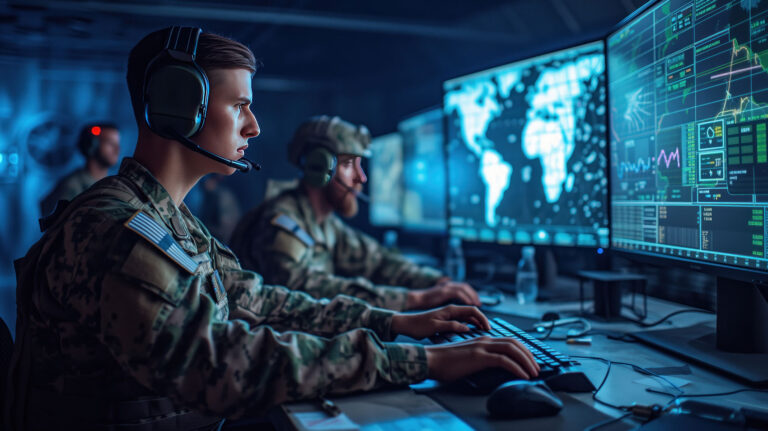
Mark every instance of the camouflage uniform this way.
pixel 324 259
pixel 66 189
pixel 111 311
pixel 282 240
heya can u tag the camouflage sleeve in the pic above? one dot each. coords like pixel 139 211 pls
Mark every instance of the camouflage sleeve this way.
pixel 294 270
pixel 298 311
pixel 358 253
pixel 170 342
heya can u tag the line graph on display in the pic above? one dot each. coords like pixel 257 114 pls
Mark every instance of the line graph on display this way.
pixel 641 166
pixel 669 157
pixel 744 60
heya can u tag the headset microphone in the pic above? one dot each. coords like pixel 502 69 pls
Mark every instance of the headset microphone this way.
pixel 364 197
pixel 243 165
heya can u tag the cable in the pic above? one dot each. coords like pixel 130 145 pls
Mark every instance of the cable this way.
pixel 714 394
pixel 634 367
pixel 607 422
pixel 549 332
pixel 667 317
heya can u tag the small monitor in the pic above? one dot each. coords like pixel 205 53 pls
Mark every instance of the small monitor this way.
pixel 526 148
pixel 385 180
pixel 423 172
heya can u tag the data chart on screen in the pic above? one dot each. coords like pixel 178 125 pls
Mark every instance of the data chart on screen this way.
pixel 688 85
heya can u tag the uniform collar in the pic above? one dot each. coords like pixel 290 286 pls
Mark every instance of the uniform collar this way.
pixel 158 197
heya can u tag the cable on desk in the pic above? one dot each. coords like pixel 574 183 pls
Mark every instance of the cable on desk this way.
pixel 549 332
pixel 714 394
pixel 667 317
pixel 607 422
pixel 634 367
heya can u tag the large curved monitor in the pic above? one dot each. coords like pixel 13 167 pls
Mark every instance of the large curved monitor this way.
pixel 688 86
pixel 526 145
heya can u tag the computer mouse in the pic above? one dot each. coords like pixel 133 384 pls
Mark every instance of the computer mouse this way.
pixel 522 399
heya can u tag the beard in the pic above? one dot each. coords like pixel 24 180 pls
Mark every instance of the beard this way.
pixel 343 201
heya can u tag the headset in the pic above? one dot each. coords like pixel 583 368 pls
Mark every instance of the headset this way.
pixel 175 94
pixel 319 169
pixel 318 166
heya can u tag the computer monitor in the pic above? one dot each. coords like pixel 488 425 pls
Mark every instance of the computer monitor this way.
pixel 688 86
pixel 385 180
pixel 423 172
pixel 526 148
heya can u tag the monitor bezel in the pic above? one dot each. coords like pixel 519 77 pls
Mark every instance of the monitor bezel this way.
pixel 742 273
pixel 566 47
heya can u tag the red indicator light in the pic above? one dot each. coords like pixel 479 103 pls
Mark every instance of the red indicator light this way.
pixel 96 130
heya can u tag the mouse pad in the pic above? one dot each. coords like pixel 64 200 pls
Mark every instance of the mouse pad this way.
pixel 574 416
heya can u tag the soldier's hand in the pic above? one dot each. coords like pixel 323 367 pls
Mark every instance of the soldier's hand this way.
pixel 448 362
pixel 445 319
pixel 445 291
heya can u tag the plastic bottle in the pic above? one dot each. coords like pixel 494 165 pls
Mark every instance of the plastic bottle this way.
pixel 527 280
pixel 454 260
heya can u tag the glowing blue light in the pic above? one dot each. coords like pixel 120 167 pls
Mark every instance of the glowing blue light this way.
pixel 600 250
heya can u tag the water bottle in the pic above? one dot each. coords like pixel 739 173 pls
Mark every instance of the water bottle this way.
pixel 527 282
pixel 454 260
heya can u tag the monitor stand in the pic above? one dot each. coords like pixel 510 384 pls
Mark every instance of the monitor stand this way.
pixel 738 346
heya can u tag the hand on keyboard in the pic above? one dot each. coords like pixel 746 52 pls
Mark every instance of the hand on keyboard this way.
pixel 444 292
pixel 445 319
pixel 558 370
pixel 449 362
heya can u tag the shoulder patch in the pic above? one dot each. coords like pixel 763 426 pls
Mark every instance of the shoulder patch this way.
pixel 151 230
pixel 289 245
pixel 287 223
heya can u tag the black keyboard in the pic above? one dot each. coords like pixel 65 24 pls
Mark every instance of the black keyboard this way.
pixel 558 370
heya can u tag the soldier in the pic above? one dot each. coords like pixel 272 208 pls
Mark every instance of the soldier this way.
pixel 130 315
pixel 100 145
pixel 297 240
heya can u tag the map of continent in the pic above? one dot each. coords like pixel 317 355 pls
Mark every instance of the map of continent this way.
pixel 544 116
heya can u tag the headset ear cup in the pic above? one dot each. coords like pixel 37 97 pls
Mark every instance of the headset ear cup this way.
pixel 175 100
pixel 319 167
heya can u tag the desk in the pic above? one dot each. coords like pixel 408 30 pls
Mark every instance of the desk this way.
pixel 623 387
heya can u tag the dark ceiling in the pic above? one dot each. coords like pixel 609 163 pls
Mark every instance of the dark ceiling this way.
pixel 311 45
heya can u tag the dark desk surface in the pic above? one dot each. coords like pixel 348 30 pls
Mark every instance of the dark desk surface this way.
pixel 623 387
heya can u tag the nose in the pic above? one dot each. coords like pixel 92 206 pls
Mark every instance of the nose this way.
pixel 359 171
pixel 251 128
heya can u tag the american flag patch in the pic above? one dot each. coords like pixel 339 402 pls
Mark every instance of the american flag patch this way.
pixel 153 232
pixel 291 226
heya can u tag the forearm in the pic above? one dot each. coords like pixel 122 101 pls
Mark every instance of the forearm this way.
pixel 258 304
pixel 230 368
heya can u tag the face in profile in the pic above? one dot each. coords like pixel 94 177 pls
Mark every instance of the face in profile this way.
pixel 349 171
pixel 109 146
pixel 229 122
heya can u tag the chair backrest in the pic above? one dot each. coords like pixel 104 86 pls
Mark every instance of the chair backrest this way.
pixel 6 350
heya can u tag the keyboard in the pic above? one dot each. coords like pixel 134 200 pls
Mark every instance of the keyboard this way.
pixel 559 371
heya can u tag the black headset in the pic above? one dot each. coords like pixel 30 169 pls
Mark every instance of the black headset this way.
pixel 318 166
pixel 175 94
